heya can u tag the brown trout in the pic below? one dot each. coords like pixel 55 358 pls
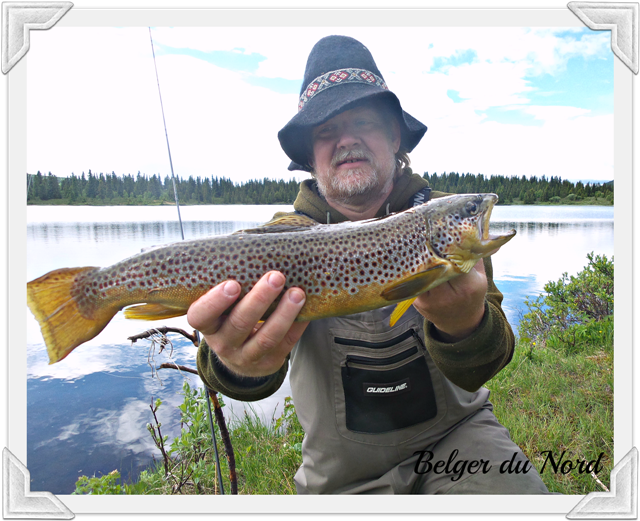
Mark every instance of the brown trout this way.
pixel 343 268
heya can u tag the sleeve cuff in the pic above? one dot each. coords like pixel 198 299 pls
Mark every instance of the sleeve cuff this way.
pixel 217 377
pixel 469 363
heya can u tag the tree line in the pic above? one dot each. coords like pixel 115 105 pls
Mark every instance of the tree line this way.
pixel 522 189
pixel 142 189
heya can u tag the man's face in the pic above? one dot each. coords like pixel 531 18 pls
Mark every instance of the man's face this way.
pixel 354 155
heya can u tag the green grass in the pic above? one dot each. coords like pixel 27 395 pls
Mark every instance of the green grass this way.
pixel 267 457
pixel 551 400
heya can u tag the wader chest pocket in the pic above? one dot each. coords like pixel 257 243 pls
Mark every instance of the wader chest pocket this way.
pixel 387 393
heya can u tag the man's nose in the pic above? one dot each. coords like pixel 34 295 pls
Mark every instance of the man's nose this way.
pixel 348 138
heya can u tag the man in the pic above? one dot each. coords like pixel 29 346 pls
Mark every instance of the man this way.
pixel 380 406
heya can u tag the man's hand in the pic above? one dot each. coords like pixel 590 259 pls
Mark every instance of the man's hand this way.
pixel 456 307
pixel 243 345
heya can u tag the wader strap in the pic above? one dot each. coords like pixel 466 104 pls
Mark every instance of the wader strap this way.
pixel 421 197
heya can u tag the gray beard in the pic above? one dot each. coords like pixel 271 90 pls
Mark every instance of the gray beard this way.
pixel 343 189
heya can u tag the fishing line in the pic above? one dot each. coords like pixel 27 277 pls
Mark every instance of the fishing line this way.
pixel 173 177
pixel 175 194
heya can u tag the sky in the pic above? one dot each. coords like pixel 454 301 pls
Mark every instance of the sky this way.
pixel 535 104
pixel 496 101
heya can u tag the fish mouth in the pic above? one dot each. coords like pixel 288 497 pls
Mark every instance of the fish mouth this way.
pixel 490 243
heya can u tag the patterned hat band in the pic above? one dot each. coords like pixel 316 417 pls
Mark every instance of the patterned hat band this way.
pixel 339 77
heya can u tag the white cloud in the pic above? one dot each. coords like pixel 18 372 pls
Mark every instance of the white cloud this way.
pixel 572 148
pixel 93 100
pixel 100 110
pixel 555 114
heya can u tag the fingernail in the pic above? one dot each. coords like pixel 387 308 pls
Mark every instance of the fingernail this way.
pixel 296 296
pixel 275 280
pixel 230 288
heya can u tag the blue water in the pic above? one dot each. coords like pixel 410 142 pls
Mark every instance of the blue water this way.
pixel 87 415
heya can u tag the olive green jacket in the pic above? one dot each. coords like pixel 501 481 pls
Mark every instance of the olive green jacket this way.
pixel 468 363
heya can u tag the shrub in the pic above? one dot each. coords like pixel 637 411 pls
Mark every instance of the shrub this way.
pixel 103 485
pixel 574 309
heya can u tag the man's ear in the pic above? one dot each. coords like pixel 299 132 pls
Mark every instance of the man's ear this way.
pixel 310 163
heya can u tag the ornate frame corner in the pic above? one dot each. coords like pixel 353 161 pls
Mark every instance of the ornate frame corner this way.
pixel 18 18
pixel 621 502
pixel 19 502
pixel 621 19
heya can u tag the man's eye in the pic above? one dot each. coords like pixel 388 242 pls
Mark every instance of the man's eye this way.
pixel 324 131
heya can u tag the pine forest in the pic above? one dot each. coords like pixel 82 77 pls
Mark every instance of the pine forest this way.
pixel 141 189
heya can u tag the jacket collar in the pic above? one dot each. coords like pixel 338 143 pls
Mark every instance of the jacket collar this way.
pixel 311 203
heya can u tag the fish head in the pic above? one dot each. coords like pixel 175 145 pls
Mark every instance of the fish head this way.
pixel 458 229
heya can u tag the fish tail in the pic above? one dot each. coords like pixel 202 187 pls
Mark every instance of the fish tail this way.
pixel 64 327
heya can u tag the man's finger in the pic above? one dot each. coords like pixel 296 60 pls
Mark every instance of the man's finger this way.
pixel 246 314
pixel 204 314
pixel 274 332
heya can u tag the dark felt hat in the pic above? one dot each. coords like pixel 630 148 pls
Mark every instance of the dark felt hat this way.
pixel 340 74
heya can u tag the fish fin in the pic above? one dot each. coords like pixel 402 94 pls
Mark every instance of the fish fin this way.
pixel 464 265
pixel 415 284
pixel 292 220
pixel 62 324
pixel 283 224
pixel 153 312
pixel 400 310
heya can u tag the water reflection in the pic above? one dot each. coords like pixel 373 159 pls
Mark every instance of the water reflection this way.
pixel 88 414
pixel 93 423
pixel 551 228
pixel 101 232
pixel 104 232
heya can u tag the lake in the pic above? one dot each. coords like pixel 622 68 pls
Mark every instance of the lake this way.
pixel 87 414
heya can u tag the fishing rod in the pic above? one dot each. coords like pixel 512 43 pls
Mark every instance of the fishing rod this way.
pixel 173 178
pixel 175 193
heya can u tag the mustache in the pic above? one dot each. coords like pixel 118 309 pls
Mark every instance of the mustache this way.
pixel 346 155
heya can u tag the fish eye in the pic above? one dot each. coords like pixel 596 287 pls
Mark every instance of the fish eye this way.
pixel 472 208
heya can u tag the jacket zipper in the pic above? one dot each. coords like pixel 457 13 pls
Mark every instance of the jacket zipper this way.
pixel 383 361
pixel 376 345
